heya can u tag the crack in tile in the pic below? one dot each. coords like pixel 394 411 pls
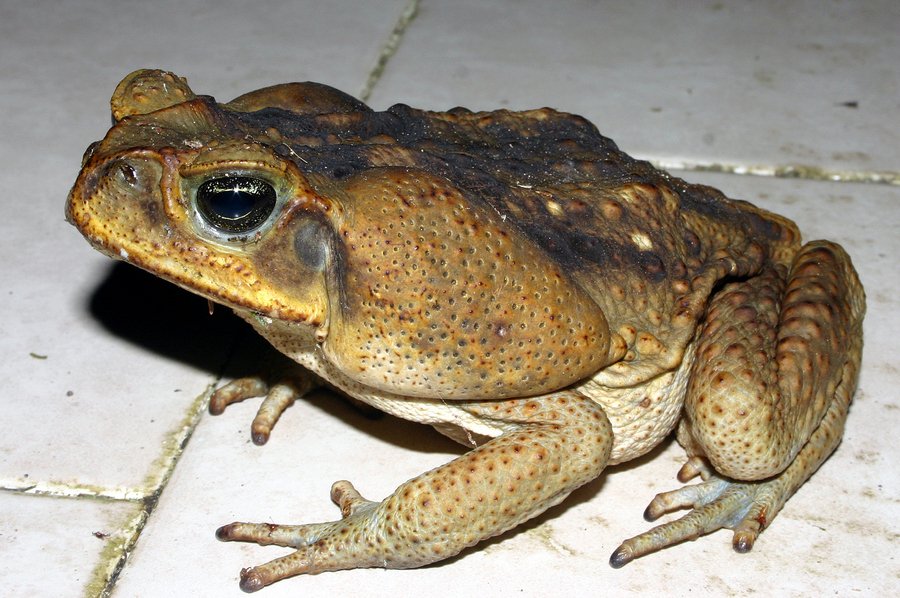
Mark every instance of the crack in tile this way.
pixel 114 556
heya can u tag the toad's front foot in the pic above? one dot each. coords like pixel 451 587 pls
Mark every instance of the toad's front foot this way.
pixel 278 397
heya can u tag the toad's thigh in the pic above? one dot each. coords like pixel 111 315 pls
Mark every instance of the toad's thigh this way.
pixel 771 356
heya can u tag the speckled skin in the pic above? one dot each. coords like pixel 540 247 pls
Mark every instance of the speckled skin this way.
pixel 511 279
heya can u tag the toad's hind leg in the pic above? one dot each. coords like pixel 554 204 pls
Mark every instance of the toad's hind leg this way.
pixel 777 367
pixel 552 445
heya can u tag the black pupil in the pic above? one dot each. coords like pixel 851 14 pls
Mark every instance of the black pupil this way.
pixel 235 204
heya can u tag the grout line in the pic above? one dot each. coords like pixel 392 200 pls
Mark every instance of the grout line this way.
pixel 114 556
pixel 162 467
pixel 108 571
pixel 390 46
pixel 798 171
pixel 64 490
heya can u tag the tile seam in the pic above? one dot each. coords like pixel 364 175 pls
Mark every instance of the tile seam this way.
pixel 389 47
pixel 110 569
pixel 787 171
pixel 63 490
pixel 163 467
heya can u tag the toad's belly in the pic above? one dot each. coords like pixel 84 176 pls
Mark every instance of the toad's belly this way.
pixel 641 415
pixel 644 414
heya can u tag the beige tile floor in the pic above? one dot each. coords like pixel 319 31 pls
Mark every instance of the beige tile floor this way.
pixel 104 370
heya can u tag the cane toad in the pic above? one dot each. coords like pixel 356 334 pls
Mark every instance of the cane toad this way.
pixel 510 278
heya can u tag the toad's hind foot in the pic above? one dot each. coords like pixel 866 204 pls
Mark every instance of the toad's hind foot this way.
pixel 301 537
pixel 555 443
pixel 716 503
pixel 778 362
pixel 744 507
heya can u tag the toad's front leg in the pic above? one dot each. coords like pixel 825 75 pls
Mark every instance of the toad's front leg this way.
pixel 554 444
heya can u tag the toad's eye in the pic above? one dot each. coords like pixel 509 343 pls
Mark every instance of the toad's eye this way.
pixel 235 204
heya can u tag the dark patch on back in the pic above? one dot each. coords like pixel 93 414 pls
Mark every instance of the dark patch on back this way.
pixel 575 249
pixel 336 161
pixel 496 158
pixel 761 226
pixel 704 201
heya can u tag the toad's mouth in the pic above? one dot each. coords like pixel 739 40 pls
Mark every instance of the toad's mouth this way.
pixel 129 229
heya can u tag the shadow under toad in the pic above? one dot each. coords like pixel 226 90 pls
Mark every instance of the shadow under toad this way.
pixel 158 316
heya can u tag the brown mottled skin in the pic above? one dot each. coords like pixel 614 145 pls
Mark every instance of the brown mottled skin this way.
pixel 510 278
